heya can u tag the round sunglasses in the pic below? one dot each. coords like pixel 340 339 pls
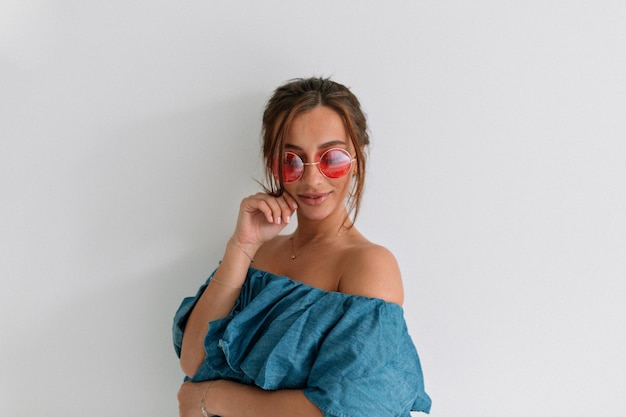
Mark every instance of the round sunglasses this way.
pixel 333 163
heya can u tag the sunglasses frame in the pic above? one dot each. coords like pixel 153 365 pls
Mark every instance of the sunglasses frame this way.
pixel 318 163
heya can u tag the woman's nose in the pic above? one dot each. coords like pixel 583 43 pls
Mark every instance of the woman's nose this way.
pixel 312 174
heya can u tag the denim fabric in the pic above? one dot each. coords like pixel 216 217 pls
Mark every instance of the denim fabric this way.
pixel 352 356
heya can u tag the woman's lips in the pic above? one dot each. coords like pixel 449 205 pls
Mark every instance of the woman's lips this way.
pixel 313 199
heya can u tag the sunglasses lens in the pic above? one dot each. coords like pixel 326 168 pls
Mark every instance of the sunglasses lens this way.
pixel 293 167
pixel 335 163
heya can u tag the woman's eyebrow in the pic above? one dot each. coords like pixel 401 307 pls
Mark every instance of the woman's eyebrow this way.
pixel 322 146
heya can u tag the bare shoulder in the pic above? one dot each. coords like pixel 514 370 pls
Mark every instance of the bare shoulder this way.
pixel 372 271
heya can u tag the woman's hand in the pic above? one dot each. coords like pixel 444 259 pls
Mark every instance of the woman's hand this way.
pixel 190 395
pixel 262 217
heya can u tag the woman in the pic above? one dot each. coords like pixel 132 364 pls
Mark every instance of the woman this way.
pixel 308 324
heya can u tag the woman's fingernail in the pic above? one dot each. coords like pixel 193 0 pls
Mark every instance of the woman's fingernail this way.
pixel 278 220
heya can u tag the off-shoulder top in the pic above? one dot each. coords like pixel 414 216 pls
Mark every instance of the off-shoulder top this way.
pixel 351 355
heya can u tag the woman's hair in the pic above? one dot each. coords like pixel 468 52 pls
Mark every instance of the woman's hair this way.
pixel 299 96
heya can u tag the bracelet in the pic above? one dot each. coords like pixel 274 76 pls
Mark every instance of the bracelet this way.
pixel 242 249
pixel 205 413
pixel 217 281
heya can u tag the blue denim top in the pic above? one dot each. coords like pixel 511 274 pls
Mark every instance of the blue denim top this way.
pixel 351 355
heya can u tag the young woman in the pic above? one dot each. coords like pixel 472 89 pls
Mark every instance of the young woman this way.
pixel 309 324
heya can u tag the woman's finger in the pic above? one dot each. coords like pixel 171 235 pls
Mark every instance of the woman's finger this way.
pixel 290 201
pixel 276 209
pixel 264 207
pixel 285 208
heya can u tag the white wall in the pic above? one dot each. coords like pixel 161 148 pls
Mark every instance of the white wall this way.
pixel 129 133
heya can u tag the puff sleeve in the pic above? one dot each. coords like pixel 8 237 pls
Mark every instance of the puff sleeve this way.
pixel 352 356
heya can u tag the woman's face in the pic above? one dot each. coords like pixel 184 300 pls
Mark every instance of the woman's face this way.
pixel 309 135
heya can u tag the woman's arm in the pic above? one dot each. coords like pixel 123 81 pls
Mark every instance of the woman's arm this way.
pixel 231 399
pixel 261 217
pixel 216 302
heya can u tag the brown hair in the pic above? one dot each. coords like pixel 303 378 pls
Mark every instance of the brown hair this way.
pixel 299 96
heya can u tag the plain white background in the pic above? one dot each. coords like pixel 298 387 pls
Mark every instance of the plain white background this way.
pixel 129 133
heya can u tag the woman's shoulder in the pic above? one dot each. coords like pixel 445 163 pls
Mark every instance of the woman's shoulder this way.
pixel 371 270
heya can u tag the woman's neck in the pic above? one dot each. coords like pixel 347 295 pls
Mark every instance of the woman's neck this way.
pixel 309 231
